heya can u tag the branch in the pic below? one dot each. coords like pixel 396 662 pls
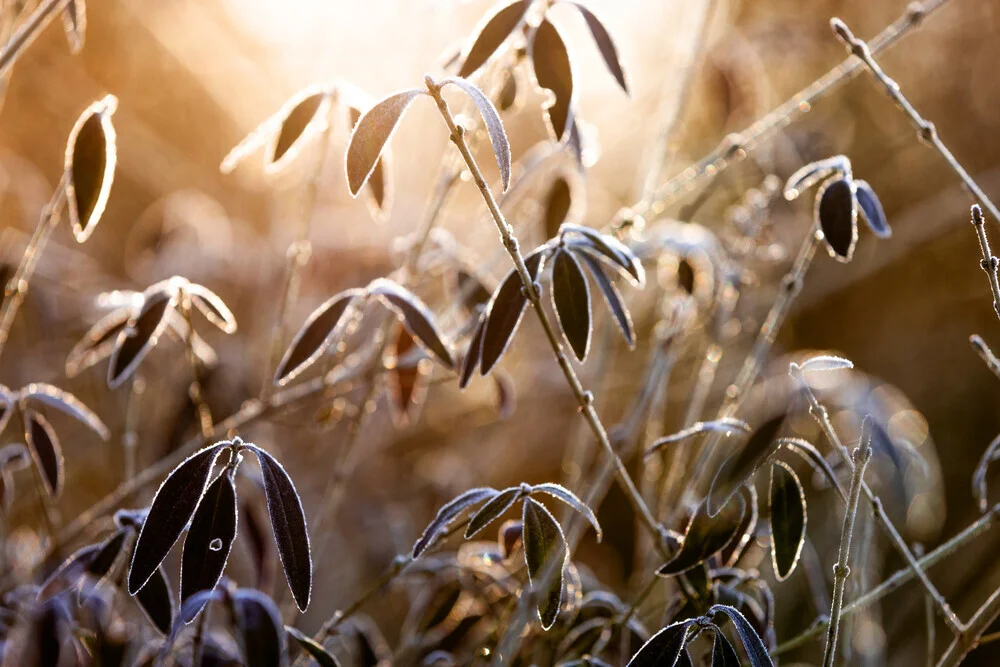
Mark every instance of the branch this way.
pixel 988 264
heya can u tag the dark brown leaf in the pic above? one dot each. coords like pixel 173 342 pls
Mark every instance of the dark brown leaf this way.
pixel 706 536
pixel 723 653
pixel 91 156
pixel 43 443
pixel 492 510
pixel 871 209
pixel 505 311
pixel 738 468
pixel 605 44
pixel 493 32
pixel 172 507
pixel 380 184
pixel 98 342
pixel 209 538
pixel 140 336
pixel 109 552
pixel 315 336
pixel 406 381
pixel 70 572
pixel 498 136
pixel 156 600
pixel 663 648
pixel 448 513
pixel 507 97
pixel 372 133
pixel 571 299
pixel 730 555
pixel 259 630
pixel 611 296
pixel 473 354
pixel 557 205
pixel 837 214
pixel 303 116
pixel 544 543
pixel 788 519
pixel 553 72
pixel 752 644
pixel 288 521
pixel 609 249
pixel 416 316
pixel 315 650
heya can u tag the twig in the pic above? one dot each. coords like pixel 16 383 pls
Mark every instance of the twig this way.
pixel 842 569
pixel 989 262
pixel 985 353
pixel 925 129
pixel 968 638
pixel 29 30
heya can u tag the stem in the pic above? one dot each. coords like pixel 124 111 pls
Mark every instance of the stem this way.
pixel 986 354
pixel 841 570
pixel 204 414
pixel 29 30
pixel 130 440
pixel 925 129
pixel 17 288
pixel 968 638
pixel 988 263
pixel 199 638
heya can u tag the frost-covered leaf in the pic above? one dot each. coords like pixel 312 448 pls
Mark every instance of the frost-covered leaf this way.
pixel 571 300
pixel 372 133
pixel 788 519
pixel 494 31
pixel 91 156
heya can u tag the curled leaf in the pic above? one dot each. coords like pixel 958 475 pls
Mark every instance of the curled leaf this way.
pixel 210 538
pixel 706 536
pixel 91 156
pixel 544 543
pixel 788 519
pixel 871 209
pixel 610 249
pixel 493 32
pixel 319 331
pixel 563 494
pixel 380 184
pixel 98 342
pixel 43 443
pixel 724 425
pixel 448 513
pixel 979 476
pixel 372 133
pixel 67 403
pixel 837 215
pixel 416 316
pixel 571 299
pixel 605 44
pixel 211 306
pixel 812 173
pixel 498 136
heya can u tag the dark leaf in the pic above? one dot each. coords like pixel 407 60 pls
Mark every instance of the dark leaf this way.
pixel 98 343
pixel 257 544
pixel 871 209
pixel 606 45
pixel 315 336
pixel 684 659
pixel 140 336
pixel 449 513
pixel 730 555
pixel 492 33
pixel 752 644
pixel 43 443
pixel 473 354
pixel 498 136
pixel 288 521
pixel 70 572
pixel 209 538
pixel 788 519
pixel 156 600
pixel 108 554
pixel 611 296
pixel 416 316
pixel 302 117
pixel 372 133
pixel 380 186
pixel 91 156
pixel 557 206
pixel 505 311
pixel 706 536
pixel 544 544
pixel 191 607
pixel 486 514
pixel 812 456
pixel 259 629
pixel 723 653
pixel 14 457
pixel 837 214
pixel 507 97
pixel 663 648
pixel 315 650
pixel 406 382
pixel 610 249
pixel 563 494
pixel 811 174
pixel 172 507
pixel 739 467
pixel 571 299
pixel 553 72
pixel 471 290
pixel 724 425
pixel 212 307
pixel 67 403
pixel 74 19
pixel 686 275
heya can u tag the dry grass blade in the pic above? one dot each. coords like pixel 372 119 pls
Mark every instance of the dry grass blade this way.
pixel 91 156
pixel 493 32
pixel 553 72
pixel 372 133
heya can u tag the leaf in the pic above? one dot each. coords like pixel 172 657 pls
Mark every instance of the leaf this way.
pixel 416 316
pixel 723 653
pixel 979 475
pixel 372 133
pixel 316 335
pixel 473 354
pixel 74 19
pixel 871 209
pixel 498 136
pixel 209 538
pixel 7 401
pixel 837 215
pixel 706 536
pixel 14 456
pixel 191 607
pixel 812 173
pixel 571 299
pixel 505 311
pixel 406 382
pixel 98 342
pixel 105 558
pixel 43 443
pixel 314 649
pixel 156 600
pixel 67 403
pixel 506 394
pixel 560 492
pixel 815 460
pixel 89 166
pixel 304 116
pixel 825 362
pixel 724 425
pixel 605 44
pixel 739 467
pixel 259 629
pixel 288 521
pixel 496 506
pixel 788 519
pixel 140 336
pixel 448 513
pixel 173 505
pixel 663 648
pixel 493 32
pixel 380 184
pixel 544 543
pixel 553 72
pixel 557 206
pixel 212 307
pixel 732 552
pixel 752 644
pixel 69 573
pixel 610 249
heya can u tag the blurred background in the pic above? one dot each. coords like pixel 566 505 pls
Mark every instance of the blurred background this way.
pixel 194 77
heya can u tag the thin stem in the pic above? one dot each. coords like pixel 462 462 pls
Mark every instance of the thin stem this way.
pixel 199 638
pixel 986 354
pixel 989 262
pixel 29 30
pixel 202 411
pixel 968 638
pixel 130 439
pixel 842 569
pixel 17 288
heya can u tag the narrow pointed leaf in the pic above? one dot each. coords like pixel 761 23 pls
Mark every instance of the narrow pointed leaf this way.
pixel 788 519
pixel 825 362
pixel 610 249
pixel 544 543
pixel 557 206
pixel 417 318
pixel 448 513
pixel 407 382
pixel 372 133
pixel 380 183
pixel 493 31
pixel 732 552
pixel 811 174
pixel 156 601
pixel 209 538
pixel 98 342
pixel 551 62
pixel 67 403
pixel 871 209
pixel 91 156
pixel 191 607
pixel 473 354
pixel 723 653
pixel 315 336
pixel 837 214
pixel 563 494
pixel 212 307
pixel 816 461
pixel 140 336
pixel 664 648
pixel 489 512
pixel 725 425
pixel 706 536
pixel 259 629
pixel 288 521
pixel 315 650
pixel 605 44
pixel 110 549
pixel 740 467
pixel 498 136
pixel 43 443
pixel 612 297
pixel 172 507
pixel 302 117
pixel 752 644
pixel 70 572
pixel 505 312
pixel 571 299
